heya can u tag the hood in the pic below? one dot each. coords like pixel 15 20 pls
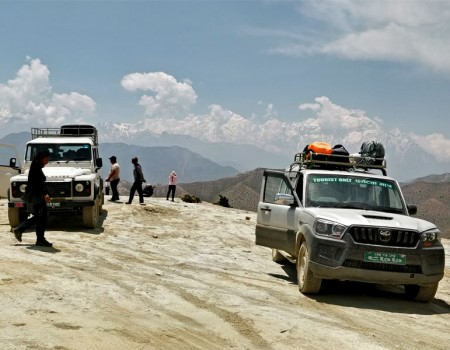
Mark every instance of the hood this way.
pixel 356 217
pixel 59 172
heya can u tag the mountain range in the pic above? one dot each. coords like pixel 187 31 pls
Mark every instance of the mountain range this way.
pixel 157 162
pixel 275 149
pixel 270 145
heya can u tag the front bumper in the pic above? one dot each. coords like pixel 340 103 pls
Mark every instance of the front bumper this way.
pixel 347 260
pixel 57 205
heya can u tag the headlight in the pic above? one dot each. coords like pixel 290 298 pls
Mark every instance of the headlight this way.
pixel 79 187
pixel 430 237
pixel 329 228
pixel 82 188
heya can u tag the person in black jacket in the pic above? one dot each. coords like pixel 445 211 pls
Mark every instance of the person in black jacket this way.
pixel 36 198
pixel 138 180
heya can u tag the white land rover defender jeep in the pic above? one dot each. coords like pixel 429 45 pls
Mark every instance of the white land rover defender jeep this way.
pixel 73 178
pixel 337 219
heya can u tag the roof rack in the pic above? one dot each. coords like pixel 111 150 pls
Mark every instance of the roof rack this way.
pixel 66 131
pixel 312 160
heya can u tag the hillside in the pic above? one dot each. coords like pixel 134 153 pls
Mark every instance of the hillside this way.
pixel 433 202
pixel 432 198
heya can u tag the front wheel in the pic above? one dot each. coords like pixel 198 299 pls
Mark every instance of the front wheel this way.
pixel 307 283
pixel 423 294
pixel 90 216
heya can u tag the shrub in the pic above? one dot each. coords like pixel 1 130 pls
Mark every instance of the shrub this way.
pixel 190 199
pixel 223 202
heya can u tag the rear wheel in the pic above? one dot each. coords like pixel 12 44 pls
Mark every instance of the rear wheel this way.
pixel 278 257
pixel 421 293
pixel 307 283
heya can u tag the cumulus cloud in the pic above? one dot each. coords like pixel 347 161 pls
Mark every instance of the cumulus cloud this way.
pixel 170 97
pixel 327 122
pixel 28 99
pixel 403 31
pixel 435 144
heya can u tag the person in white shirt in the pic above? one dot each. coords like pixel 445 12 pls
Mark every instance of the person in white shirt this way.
pixel 114 178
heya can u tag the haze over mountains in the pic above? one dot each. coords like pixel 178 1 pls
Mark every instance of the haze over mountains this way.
pixel 276 148
pixel 236 144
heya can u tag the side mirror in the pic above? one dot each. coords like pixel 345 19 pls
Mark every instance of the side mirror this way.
pixel 285 199
pixel 98 162
pixel 412 209
pixel 12 162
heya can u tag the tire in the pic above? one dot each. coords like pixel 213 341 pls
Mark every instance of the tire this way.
pixel 278 257
pixel 100 204
pixel 90 215
pixel 423 294
pixel 16 216
pixel 307 283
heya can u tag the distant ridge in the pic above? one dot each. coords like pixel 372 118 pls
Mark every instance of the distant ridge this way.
pixel 432 198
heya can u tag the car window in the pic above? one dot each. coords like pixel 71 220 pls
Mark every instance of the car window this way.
pixel 276 185
pixel 345 191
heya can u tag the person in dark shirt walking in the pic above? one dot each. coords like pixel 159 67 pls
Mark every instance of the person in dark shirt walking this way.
pixel 36 198
pixel 138 180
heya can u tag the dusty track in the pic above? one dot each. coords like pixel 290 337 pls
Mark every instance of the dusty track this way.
pixel 188 276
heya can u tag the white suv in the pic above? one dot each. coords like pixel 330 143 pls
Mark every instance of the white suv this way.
pixel 339 220
pixel 73 176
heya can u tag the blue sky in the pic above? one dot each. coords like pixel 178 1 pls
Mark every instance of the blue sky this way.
pixel 94 61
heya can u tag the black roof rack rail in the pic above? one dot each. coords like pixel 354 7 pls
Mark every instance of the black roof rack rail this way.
pixel 66 131
pixel 312 160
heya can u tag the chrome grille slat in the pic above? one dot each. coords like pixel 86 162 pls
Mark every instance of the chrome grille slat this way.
pixel 371 235
pixel 59 189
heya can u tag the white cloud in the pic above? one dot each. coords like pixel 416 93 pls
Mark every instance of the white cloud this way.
pixel 170 98
pixel 403 31
pixel 327 122
pixel 435 144
pixel 28 100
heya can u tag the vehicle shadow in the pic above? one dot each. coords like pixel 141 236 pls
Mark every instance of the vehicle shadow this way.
pixel 74 223
pixel 291 273
pixel 361 295
pixel 389 298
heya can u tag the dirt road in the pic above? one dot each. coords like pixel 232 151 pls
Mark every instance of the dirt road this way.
pixel 189 276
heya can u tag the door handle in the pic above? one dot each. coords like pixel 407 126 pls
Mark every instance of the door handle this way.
pixel 266 209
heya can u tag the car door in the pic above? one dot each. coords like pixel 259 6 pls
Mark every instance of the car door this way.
pixel 276 222
pixel 8 167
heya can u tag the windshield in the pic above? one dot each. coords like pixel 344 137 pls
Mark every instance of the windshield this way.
pixel 355 192
pixel 61 152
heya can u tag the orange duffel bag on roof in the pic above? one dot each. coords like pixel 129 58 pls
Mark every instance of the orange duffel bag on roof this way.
pixel 318 147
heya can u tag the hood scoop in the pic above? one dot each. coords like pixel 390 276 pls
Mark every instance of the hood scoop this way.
pixel 378 217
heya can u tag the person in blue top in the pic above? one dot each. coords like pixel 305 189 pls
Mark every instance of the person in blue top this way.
pixel 36 198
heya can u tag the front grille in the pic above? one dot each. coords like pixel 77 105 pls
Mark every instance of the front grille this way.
pixel 384 236
pixel 59 189
pixel 382 267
